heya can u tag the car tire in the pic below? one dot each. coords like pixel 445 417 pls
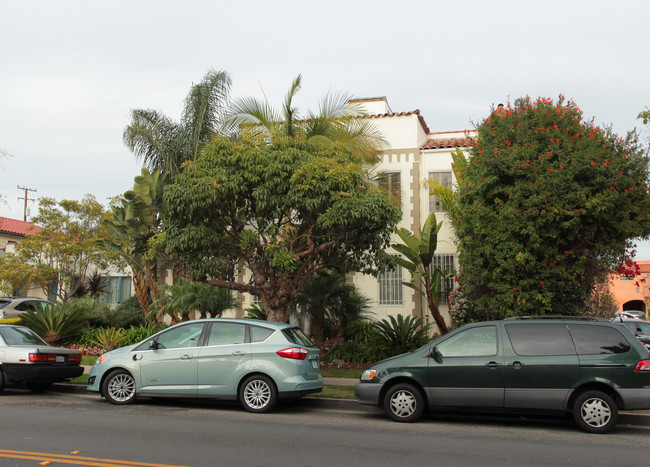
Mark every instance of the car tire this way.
pixel 404 403
pixel 595 412
pixel 258 394
pixel 2 381
pixel 119 388
pixel 39 387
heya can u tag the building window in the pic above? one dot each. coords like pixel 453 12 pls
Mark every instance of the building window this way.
pixel 390 287
pixel 446 263
pixel 444 178
pixel 119 289
pixel 391 184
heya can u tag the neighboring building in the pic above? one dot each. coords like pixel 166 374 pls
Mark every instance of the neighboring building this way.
pixel 12 231
pixel 631 293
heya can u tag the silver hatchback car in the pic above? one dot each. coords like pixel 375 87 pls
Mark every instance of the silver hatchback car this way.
pixel 255 362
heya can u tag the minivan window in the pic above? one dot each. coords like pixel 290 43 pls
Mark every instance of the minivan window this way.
pixel 474 342
pixel 537 339
pixel 592 340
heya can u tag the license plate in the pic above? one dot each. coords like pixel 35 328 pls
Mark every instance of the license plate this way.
pixel 314 363
pixel 60 359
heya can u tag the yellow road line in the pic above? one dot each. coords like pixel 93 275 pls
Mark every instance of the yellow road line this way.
pixel 79 460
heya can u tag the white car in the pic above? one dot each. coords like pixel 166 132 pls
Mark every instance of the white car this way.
pixel 25 358
pixel 14 307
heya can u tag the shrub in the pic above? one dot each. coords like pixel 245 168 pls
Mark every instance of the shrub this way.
pixel 401 335
pixel 9 321
pixel 124 316
pixel 135 334
pixel 108 338
pixel 59 323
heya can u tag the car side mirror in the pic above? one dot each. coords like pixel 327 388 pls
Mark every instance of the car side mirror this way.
pixel 153 345
pixel 435 354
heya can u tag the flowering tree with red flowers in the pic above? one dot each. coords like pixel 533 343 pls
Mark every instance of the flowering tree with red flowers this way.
pixel 549 204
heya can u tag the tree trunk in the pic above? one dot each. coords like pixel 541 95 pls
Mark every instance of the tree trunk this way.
pixel 140 286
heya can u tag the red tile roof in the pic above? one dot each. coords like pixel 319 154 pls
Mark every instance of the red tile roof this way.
pixel 403 114
pixel 447 143
pixel 16 227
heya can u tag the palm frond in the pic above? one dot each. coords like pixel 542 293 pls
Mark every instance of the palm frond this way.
pixel 204 110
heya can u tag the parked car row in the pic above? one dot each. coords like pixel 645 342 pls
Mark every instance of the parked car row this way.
pixel 588 368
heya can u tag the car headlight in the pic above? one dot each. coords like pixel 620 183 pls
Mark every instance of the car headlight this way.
pixel 368 375
pixel 102 358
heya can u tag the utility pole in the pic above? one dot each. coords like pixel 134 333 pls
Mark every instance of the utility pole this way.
pixel 26 199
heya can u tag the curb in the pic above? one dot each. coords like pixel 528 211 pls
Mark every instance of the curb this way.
pixel 625 418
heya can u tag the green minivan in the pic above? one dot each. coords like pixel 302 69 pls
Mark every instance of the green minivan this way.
pixel 589 368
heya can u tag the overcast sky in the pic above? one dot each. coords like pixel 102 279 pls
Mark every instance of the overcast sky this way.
pixel 70 71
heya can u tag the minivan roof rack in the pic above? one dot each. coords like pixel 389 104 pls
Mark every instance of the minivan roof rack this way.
pixel 577 318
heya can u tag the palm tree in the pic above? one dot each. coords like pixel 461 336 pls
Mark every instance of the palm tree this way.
pixel 337 121
pixel 161 143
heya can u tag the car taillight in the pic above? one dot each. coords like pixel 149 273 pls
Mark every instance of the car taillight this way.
pixel 74 358
pixel 643 365
pixel 42 357
pixel 297 353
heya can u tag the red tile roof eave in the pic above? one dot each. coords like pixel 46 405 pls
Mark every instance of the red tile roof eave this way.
pixel 423 123
pixel 448 143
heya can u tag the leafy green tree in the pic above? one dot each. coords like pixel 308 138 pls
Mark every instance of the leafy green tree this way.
pixel 549 203
pixel 329 303
pixel 285 211
pixel 337 121
pixel 425 277
pixel 161 143
pixel 59 255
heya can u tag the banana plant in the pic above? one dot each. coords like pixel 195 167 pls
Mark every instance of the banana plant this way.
pixel 418 252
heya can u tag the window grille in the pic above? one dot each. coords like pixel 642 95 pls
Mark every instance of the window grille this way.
pixel 390 287
pixel 446 263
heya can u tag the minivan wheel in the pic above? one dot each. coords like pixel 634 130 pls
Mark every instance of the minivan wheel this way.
pixel 404 403
pixel 258 394
pixel 119 388
pixel 595 412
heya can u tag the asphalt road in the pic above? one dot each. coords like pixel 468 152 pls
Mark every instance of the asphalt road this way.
pixel 82 429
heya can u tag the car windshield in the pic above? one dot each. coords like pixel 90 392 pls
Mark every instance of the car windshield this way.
pixel 3 303
pixel 20 336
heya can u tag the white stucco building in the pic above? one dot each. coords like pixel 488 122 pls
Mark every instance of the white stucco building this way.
pixel 414 154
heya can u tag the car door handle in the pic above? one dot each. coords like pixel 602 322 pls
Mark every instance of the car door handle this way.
pixel 238 353
pixel 186 357
pixel 493 365
pixel 515 365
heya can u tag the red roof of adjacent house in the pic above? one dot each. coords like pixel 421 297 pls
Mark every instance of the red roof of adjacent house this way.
pixel 447 143
pixel 16 227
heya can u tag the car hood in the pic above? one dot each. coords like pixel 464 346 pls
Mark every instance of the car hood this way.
pixel 127 348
